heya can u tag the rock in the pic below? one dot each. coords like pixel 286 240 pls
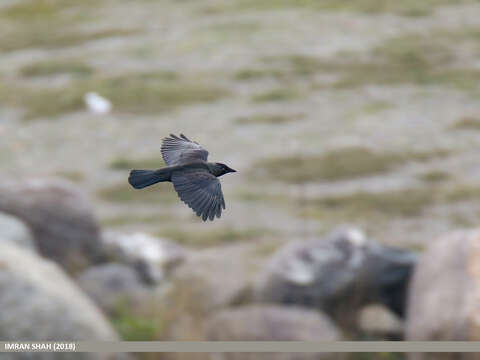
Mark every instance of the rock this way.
pixel 443 302
pixel 152 257
pixel 380 323
pixel 113 286
pixel 338 275
pixel 15 232
pixel 60 218
pixel 39 302
pixel 224 275
pixel 272 323
pixel 208 280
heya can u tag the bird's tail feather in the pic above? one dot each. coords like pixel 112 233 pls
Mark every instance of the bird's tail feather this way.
pixel 143 178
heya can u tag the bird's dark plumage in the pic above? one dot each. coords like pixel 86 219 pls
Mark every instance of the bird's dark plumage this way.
pixel 201 191
pixel 143 178
pixel 194 179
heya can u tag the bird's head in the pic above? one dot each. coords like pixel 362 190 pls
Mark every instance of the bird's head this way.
pixel 220 169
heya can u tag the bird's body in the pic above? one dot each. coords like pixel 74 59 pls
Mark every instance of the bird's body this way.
pixel 194 179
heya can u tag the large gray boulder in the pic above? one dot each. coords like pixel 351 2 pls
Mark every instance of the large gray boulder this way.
pixel 338 274
pixel 272 323
pixel 39 302
pixel 443 299
pixel 152 257
pixel 15 232
pixel 208 280
pixel 113 287
pixel 60 218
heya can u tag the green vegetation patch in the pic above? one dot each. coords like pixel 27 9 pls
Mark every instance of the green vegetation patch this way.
pixel 426 59
pixel 406 7
pixel 214 237
pixel 73 175
pixel 337 164
pixel 54 67
pixel 156 92
pixel 35 9
pixel 462 192
pixel 434 176
pixel 405 202
pixel 467 123
pixel 267 248
pixel 251 195
pixel 51 24
pixel 380 206
pixel 235 27
pixel 371 108
pixel 422 59
pixel 43 102
pixel 277 95
pixel 42 36
pixel 136 327
pixel 256 73
pixel 230 31
pixel 137 93
pixel 463 220
pixel 268 119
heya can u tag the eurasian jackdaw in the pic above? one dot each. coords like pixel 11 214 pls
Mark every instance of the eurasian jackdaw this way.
pixel 194 179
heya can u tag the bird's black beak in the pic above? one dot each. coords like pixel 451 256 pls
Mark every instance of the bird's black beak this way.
pixel 231 170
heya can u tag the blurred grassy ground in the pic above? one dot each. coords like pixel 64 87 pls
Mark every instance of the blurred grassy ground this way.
pixel 364 112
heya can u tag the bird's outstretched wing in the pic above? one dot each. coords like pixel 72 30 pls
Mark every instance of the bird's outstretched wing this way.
pixel 201 191
pixel 180 150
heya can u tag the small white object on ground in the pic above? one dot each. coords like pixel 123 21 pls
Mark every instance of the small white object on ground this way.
pixel 97 104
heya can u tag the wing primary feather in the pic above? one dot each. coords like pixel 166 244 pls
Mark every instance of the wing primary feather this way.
pixel 202 205
pixel 213 208
pixel 201 191
pixel 208 206
pixel 196 197
pixel 213 212
pixel 196 205
pixel 205 216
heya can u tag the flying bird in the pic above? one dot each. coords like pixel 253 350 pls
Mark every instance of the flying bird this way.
pixel 193 177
